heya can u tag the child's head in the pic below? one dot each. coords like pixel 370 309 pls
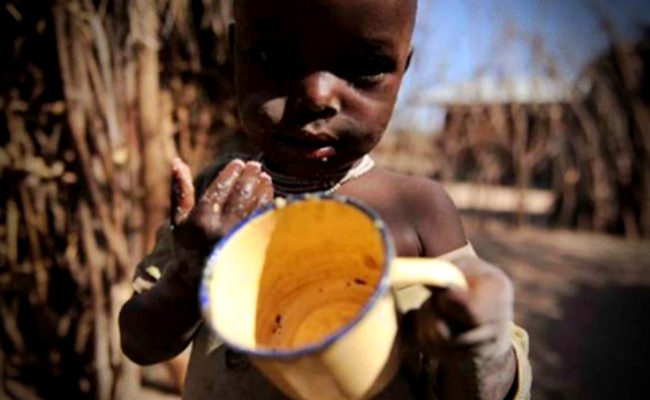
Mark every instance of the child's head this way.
pixel 317 80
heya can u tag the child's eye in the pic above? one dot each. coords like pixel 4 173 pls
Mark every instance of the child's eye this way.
pixel 273 59
pixel 365 81
pixel 369 71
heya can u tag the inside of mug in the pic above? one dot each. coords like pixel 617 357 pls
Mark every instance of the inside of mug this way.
pixel 292 277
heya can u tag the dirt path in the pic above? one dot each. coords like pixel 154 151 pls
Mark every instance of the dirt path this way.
pixel 585 300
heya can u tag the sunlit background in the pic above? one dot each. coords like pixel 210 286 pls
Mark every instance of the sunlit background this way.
pixel 494 50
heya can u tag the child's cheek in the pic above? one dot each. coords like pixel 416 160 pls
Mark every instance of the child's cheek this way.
pixel 372 114
pixel 262 111
pixel 274 109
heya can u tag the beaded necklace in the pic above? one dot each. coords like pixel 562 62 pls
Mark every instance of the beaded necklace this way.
pixel 286 185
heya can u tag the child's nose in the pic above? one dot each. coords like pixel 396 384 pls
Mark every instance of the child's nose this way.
pixel 319 94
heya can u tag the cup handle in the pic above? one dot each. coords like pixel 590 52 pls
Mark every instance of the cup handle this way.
pixel 426 271
pixel 409 276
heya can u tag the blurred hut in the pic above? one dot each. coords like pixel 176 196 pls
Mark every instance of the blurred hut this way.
pixel 615 121
pixel 572 155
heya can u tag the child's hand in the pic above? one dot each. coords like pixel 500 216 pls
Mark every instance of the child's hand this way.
pixel 239 189
pixel 468 331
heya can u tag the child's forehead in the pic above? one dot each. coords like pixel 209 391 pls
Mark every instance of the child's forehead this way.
pixel 358 16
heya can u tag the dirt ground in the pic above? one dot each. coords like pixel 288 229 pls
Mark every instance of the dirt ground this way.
pixel 584 300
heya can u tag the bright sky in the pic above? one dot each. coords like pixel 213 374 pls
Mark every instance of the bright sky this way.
pixel 458 40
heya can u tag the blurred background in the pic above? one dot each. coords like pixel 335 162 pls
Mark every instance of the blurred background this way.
pixel 534 115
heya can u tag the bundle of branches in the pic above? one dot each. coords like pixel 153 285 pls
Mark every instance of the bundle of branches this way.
pixel 616 120
pixel 90 119
pixel 591 149
pixel 46 320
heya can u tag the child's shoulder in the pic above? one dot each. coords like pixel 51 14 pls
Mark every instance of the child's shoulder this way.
pixel 418 193
pixel 420 201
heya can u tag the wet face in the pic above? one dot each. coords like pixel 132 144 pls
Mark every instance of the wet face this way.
pixel 317 80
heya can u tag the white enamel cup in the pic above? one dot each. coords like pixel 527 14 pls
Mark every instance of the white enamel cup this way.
pixel 305 287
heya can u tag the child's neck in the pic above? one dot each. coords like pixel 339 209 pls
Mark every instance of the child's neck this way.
pixel 322 181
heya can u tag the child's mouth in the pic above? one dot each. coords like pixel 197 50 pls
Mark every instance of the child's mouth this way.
pixel 316 148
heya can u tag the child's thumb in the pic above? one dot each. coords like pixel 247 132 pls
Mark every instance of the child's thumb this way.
pixel 182 196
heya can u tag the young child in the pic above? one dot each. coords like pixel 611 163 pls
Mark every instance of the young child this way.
pixel 317 81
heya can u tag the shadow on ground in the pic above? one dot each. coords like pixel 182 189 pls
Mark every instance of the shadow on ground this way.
pixel 603 340
pixel 585 302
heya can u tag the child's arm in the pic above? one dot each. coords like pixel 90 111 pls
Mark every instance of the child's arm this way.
pixel 469 332
pixel 160 321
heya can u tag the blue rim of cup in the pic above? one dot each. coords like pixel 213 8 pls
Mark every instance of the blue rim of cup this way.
pixel 380 290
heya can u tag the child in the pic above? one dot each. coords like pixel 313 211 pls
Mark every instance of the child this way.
pixel 317 82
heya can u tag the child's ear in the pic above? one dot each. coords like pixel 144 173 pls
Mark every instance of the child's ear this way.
pixel 408 59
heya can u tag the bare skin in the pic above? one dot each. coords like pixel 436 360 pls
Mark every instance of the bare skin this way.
pixel 314 103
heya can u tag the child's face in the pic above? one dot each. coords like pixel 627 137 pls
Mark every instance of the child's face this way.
pixel 318 79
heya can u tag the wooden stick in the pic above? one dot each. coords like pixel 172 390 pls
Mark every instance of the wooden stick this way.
pixel 77 121
pixel 13 220
pixel 128 375
pixel 156 159
pixel 103 52
pixel 10 325
pixel 601 191
pixel 101 321
pixel 40 274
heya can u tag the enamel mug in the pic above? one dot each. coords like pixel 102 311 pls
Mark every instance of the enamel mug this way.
pixel 306 288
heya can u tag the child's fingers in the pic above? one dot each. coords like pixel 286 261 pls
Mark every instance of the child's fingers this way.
pixel 471 309
pixel 220 189
pixel 242 197
pixel 261 195
pixel 241 200
pixel 203 227
pixel 490 295
pixel 264 190
pixel 485 333
pixel 475 319
pixel 208 212
pixel 182 191
pixel 436 334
